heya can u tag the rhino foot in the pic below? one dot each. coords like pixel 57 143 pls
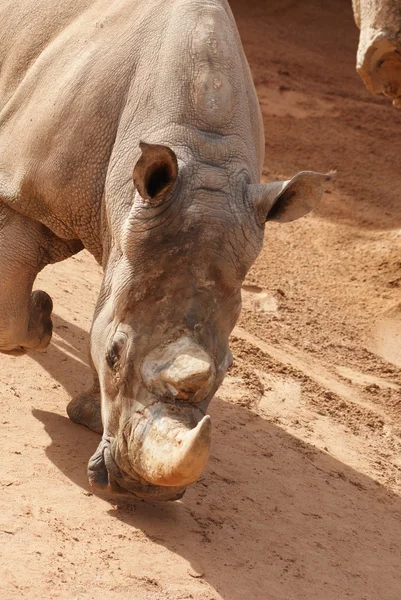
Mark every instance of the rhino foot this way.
pixel 40 323
pixel 84 409
pixel 18 338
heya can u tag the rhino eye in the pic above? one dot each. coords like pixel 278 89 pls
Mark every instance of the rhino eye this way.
pixel 114 352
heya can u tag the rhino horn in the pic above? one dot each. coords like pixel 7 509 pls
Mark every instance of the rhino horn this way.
pixel 285 201
pixel 167 451
pixel 155 172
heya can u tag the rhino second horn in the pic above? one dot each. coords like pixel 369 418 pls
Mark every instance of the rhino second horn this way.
pixel 170 453
pixel 182 369
pixel 187 374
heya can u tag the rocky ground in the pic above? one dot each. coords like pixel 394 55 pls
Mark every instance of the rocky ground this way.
pixel 301 498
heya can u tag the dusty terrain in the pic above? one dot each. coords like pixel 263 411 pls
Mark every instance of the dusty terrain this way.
pixel 301 498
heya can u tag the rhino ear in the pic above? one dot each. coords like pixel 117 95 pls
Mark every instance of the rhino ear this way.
pixel 285 201
pixel 155 172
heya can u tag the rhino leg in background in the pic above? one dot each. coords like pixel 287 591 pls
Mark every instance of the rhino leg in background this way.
pixel 84 409
pixel 26 246
pixel 25 322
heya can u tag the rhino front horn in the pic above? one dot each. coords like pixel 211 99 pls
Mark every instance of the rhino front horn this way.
pixel 165 449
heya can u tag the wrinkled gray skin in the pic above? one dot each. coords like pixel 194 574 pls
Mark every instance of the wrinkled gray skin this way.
pixel 133 129
pixel 379 50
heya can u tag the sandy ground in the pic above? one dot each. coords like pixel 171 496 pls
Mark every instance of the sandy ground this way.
pixel 301 497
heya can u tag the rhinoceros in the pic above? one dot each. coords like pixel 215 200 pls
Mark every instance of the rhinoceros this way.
pixel 379 49
pixel 132 129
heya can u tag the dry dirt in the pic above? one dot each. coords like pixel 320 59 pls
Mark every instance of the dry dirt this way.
pixel 301 498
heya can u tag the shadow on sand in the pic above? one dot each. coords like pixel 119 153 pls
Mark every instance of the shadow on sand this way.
pixel 67 357
pixel 270 510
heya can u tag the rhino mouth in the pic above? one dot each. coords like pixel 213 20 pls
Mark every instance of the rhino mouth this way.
pixel 105 475
pixel 161 450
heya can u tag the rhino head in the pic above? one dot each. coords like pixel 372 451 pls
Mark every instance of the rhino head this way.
pixel 181 246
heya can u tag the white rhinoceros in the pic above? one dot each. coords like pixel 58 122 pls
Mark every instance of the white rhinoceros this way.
pixel 132 128
pixel 379 50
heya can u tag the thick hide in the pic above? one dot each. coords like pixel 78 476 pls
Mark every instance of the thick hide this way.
pixel 132 129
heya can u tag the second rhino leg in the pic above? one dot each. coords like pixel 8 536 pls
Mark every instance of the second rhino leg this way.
pixel 25 322
pixel 85 408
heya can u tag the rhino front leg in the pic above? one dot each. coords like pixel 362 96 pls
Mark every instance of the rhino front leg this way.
pixel 25 322
pixel 85 408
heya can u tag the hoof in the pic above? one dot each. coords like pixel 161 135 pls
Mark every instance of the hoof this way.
pixel 84 409
pixel 40 323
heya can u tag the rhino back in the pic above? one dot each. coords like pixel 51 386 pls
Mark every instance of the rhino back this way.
pixel 27 28
pixel 82 82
